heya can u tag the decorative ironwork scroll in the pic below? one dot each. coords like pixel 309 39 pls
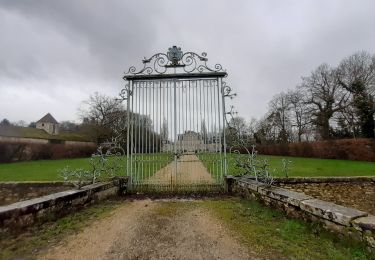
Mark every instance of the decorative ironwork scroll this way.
pixel 161 63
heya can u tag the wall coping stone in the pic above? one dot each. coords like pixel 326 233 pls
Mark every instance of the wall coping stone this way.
pixel 331 211
pixel 327 210
pixel 288 196
pixel 40 202
pixel 365 223
pixel 32 205
pixel 252 184
pixel 292 180
pixel 335 217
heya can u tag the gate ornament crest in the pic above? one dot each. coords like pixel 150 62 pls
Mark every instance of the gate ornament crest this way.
pixel 174 55
pixel 161 63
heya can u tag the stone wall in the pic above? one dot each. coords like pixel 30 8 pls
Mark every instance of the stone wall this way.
pixel 11 192
pixel 23 140
pixel 21 150
pixel 11 139
pixel 18 215
pixel 346 221
pixel 354 192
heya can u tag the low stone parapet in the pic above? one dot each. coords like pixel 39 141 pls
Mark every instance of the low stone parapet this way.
pixel 25 213
pixel 11 192
pixel 351 179
pixel 347 221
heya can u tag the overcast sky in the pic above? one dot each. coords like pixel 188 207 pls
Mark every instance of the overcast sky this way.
pixel 54 54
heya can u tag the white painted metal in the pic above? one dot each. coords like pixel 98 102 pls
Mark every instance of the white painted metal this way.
pixel 176 122
pixel 176 126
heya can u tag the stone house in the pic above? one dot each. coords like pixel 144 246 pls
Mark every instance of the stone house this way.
pixel 49 124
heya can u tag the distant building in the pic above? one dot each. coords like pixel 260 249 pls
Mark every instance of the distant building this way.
pixel 49 124
pixel 191 141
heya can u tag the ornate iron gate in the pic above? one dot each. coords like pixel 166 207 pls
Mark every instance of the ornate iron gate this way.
pixel 176 123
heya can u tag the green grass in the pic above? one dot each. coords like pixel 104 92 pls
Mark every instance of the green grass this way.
pixel 148 164
pixel 305 167
pixel 43 170
pixel 48 170
pixel 38 237
pixel 213 163
pixel 272 235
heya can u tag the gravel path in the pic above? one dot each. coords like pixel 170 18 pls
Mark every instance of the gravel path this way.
pixel 190 170
pixel 146 229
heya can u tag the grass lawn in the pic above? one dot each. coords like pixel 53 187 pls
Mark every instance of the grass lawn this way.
pixel 147 165
pixel 306 167
pixel 271 234
pixel 47 170
pixel 43 170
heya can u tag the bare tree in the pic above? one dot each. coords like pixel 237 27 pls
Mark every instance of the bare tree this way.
pixel 265 132
pixel 279 108
pixel 325 97
pixel 251 130
pixel 68 126
pixel 100 115
pixel 300 118
pixel 20 123
pixel 356 74
pixel 237 130
pixel 101 109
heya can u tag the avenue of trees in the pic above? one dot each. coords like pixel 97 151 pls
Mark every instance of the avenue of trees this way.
pixel 330 103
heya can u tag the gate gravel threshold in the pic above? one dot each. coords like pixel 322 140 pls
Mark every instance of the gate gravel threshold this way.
pixel 148 229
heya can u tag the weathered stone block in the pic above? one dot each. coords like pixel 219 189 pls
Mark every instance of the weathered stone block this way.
pixel 365 223
pixel 287 196
pixel 27 212
pixel 332 212
pixel 249 183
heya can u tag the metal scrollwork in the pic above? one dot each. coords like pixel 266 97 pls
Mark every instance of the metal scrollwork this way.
pixel 125 92
pixel 160 63
pixel 227 91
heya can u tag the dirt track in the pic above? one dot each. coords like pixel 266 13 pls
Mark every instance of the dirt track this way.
pixel 148 229
pixel 190 170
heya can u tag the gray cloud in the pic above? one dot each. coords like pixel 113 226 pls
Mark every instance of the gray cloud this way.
pixel 55 53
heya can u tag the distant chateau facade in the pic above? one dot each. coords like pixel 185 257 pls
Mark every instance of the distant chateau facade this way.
pixel 49 124
pixel 191 141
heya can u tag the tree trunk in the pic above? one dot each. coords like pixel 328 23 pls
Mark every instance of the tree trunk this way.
pixel 322 123
pixel 325 129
